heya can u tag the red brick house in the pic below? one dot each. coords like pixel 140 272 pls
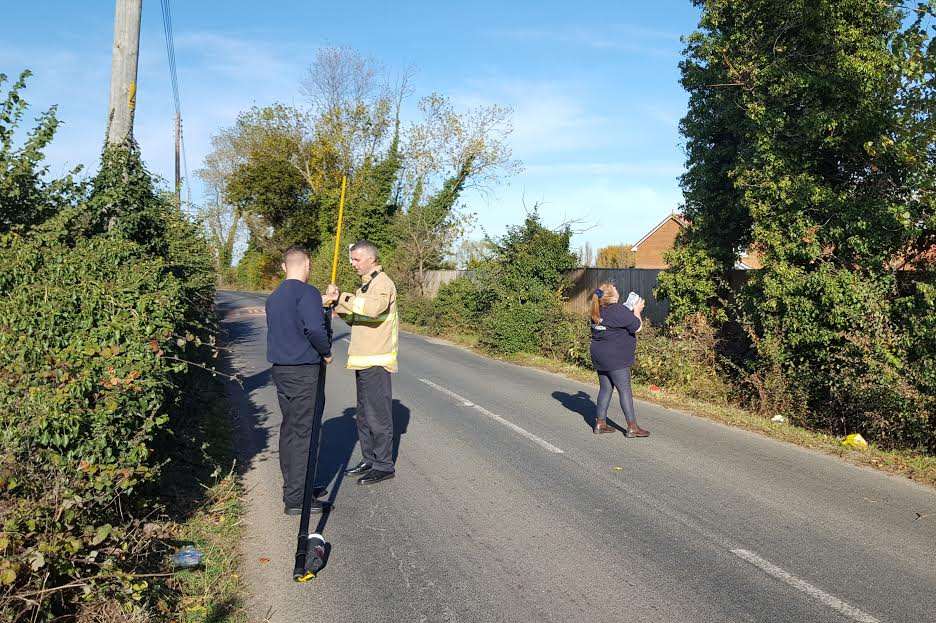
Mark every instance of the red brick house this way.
pixel 649 250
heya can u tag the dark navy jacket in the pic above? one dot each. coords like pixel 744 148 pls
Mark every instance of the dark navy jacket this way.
pixel 298 328
pixel 614 341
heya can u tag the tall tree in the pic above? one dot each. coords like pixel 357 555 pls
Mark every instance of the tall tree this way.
pixel 616 256
pixel 810 138
pixel 355 132
pixel 261 138
pixel 450 150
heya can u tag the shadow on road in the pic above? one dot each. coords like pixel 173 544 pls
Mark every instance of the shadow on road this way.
pixel 249 414
pixel 240 331
pixel 581 403
pixel 339 436
pixel 401 418
pixel 258 380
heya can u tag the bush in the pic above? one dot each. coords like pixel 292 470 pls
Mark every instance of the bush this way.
pixel 87 377
pixel 527 274
pixel 461 304
pixel 416 310
pixel 832 332
pixel 566 336
pixel 514 325
pixel 682 359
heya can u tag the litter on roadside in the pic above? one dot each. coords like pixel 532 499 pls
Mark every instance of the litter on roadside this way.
pixel 855 440
pixel 187 557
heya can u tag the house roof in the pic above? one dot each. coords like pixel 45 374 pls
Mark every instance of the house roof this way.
pixel 675 216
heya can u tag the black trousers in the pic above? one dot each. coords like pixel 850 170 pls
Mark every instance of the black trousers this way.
pixel 375 417
pixel 301 401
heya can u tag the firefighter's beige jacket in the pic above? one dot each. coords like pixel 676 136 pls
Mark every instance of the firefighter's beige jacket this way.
pixel 375 327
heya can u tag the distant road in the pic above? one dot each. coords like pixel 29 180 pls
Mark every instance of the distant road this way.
pixel 507 508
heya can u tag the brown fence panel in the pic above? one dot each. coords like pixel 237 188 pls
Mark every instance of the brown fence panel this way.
pixel 435 279
pixel 639 280
pixel 584 281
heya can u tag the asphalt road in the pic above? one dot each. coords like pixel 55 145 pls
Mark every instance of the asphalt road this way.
pixel 506 508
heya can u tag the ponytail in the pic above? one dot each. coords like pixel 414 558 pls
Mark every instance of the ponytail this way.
pixel 595 309
pixel 598 301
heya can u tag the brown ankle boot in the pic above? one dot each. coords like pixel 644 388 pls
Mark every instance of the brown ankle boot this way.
pixel 601 426
pixel 633 430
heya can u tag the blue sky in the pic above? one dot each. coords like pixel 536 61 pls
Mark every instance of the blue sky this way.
pixel 594 86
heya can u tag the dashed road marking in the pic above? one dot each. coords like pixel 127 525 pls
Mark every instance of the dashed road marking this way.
pixel 517 429
pixel 802 585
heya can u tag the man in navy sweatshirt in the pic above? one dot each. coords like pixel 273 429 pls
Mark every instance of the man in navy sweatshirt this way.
pixel 299 340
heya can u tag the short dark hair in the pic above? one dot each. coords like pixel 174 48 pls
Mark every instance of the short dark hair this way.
pixel 295 249
pixel 365 245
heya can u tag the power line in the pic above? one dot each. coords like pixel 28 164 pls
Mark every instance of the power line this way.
pixel 176 99
pixel 170 54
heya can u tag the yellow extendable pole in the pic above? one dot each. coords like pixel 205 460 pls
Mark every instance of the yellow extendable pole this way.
pixel 344 185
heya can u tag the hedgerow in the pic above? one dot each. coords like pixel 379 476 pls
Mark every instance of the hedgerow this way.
pixel 103 304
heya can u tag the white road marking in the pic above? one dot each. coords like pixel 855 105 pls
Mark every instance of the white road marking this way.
pixel 521 431
pixel 802 585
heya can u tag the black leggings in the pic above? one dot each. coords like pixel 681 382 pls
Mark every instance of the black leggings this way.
pixel 607 381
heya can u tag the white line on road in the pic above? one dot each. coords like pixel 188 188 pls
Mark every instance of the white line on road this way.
pixel 467 403
pixel 823 597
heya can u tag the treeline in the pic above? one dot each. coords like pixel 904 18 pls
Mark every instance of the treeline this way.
pixel 106 292
pixel 809 139
pixel 274 177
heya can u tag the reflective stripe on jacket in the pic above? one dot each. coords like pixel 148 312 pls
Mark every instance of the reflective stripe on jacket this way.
pixel 375 328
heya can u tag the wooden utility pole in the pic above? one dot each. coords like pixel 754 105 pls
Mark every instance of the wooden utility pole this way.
pixel 178 148
pixel 123 86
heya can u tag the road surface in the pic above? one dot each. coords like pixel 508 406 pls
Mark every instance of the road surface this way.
pixel 507 508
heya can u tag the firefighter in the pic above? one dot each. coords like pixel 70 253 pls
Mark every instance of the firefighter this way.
pixel 372 314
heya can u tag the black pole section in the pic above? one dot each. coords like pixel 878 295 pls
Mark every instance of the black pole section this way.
pixel 300 573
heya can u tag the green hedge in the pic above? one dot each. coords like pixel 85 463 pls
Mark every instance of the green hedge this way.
pixel 101 306
pixel 90 341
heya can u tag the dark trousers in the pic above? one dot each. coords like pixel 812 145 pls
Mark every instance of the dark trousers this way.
pixel 301 402
pixel 607 382
pixel 375 417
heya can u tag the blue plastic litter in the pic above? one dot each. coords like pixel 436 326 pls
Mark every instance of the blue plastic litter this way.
pixel 187 557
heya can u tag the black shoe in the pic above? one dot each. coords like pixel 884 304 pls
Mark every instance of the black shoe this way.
pixel 374 476
pixel 361 468
pixel 317 507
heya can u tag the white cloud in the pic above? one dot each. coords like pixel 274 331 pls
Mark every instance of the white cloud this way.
pixel 241 59
pixel 546 119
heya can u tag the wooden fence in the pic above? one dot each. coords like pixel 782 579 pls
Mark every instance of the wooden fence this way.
pixel 435 279
pixel 639 280
pixel 584 281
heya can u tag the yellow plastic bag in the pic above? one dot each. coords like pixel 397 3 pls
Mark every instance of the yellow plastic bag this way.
pixel 855 441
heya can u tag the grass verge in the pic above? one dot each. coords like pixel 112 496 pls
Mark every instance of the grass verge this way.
pixel 204 496
pixel 915 466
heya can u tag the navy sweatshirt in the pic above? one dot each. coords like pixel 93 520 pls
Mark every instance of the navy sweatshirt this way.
pixel 614 341
pixel 298 327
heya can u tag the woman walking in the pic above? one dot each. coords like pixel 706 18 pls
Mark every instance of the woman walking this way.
pixel 614 330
